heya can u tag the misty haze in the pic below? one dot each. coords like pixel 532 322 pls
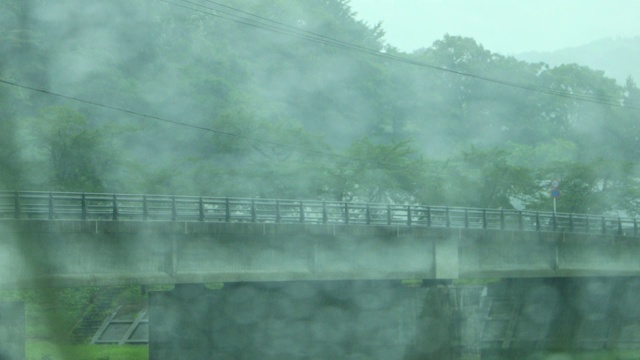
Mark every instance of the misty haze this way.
pixel 276 180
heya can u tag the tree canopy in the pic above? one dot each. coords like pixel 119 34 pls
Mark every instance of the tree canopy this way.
pixel 275 115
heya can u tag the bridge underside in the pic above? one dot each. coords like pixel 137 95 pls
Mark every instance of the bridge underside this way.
pixel 384 320
pixel 335 284
pixel 36 253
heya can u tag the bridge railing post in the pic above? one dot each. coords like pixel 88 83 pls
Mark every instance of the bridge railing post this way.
pixel 83 204
pixel 466 218
pixel 501 219
pixel 520 221
pixel 346 213
pixel 200 209
pixel 428 216
pixel 368 214
pixel 635 227
pixel 447 217
pixel 254 216
pixel 51 209
pixel 484 218
pixel 604 226
pixel 586 224
pixel 537 221
pixel 227 210
pixel 389 214
pixel 409 215
pixel 145 208
pixel 16 204
pixel 114 212
pixel 301 212
pixel 571 222
pixel 325 216
pixel 278 218
pixel 619 226
pixel 174 209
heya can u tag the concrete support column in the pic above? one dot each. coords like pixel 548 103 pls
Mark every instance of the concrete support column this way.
pixel 12 331
pixel 434 326
pixel 468 321
pixel 180 323
pixel 450 323
pixel 508 319
pixel 325 319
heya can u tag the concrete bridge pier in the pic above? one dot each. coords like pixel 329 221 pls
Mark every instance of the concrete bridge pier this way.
pixel 180 323
pixel 560 315
pixel 12 330
pixel 311 320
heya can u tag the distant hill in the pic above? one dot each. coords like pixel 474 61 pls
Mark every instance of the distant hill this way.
pixel 618 58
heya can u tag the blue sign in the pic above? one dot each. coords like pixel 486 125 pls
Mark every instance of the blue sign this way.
pixel 555 193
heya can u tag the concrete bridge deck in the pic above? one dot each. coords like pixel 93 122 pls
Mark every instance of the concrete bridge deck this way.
pixel 73 239
pixel 281 261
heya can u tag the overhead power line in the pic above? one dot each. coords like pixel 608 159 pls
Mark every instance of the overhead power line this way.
pixel 249 19
pixel 299 149
pixel 197 127
pixel 318 39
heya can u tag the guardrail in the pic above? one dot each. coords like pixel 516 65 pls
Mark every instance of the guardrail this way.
pixel 92 206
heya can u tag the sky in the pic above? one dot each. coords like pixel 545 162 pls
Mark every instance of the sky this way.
pixel 508 27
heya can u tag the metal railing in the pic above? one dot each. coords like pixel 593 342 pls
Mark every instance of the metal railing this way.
pixel 91 206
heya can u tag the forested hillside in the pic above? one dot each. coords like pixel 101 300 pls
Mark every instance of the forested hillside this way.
pixel 619 58
pixel 233 108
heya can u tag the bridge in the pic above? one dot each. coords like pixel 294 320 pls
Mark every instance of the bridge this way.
pixel 330 271
pixel 78 239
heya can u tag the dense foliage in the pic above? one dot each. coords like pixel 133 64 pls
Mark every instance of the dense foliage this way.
pixel 295 118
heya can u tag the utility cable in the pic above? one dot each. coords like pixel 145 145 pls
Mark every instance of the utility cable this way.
pixel 298 149
pixel 197 127
pixel 318 38
pixel 312 37
pixel 297 30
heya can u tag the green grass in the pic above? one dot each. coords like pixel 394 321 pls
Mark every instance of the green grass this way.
pixel 51 314
pixel 45 350
pixel 592 355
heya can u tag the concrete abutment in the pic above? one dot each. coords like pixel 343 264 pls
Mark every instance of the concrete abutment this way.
pixel 308 320
pixel 12 330
pixel 388 320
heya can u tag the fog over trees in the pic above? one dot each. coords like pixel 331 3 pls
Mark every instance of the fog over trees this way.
pixel 278 116
pixel 155 97
pixel 617 57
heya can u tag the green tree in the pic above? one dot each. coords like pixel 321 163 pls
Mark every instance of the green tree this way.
pixel 256 157
pixel 595 187
pixel 75 157
pixel 10 166
pixel 489 179
pixel 378 172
